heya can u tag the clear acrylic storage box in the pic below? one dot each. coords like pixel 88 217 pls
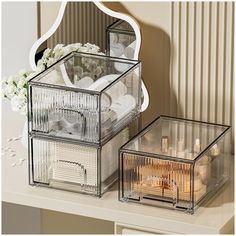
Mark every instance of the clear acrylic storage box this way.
pixel 85 97
pixel 121 40
pixel 174 163
pixel 77 166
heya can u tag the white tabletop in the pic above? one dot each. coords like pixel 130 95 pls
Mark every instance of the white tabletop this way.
pixel 215 217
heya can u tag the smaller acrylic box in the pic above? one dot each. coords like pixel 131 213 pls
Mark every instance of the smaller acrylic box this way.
pixel 174 163
pixel 85 97
pixel 77 166
pixel 121 40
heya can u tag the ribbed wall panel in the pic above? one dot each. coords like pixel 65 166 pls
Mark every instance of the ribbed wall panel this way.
pixel 202 76
pixel 82 22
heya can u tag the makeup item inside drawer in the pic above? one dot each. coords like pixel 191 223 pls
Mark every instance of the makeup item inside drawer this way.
pixel 197 146
pixel 84 82
pixel 67 121
pixel 112 94
pixel 215 151
pixel 168 180
pixel 203 169
pixel 164 144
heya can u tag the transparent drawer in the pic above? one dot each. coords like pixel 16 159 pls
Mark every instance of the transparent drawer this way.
pixel 174 163
pixel 84 97
pixel 121 40
pixel 77 166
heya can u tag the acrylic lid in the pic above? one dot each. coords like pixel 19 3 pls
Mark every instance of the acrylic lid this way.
pixel 85 72
pixel 176 138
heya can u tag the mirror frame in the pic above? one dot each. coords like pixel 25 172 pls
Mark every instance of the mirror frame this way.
pixel 107 11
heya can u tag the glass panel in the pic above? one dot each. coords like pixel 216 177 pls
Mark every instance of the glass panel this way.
pixel 110 153
pixel 176 138
pixel 82 70
pixel 64 165
pixel 212 169
pixel 65 113
pixel 146 178
pixel 124 102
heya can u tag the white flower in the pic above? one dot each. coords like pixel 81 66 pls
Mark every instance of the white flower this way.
pixel 58 54
pixel 22 96
pixel 31 75
pixel 40 62
pixel 100 53
pixel 10 91
pixel 57 48
pixel 21 83
pixel 75 46
pixel 47 53
pixel 68 49
pixel 83 49
pixel 50 61
pixel 15 103
pixel 40 68
pixel 92 48
pixel 22 73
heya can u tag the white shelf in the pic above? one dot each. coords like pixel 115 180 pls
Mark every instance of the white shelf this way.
pixel 215 217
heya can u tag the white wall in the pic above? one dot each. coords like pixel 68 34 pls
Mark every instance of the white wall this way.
pixel 19 31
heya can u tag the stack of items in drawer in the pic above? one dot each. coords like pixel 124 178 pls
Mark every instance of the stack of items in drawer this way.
pixel 81 111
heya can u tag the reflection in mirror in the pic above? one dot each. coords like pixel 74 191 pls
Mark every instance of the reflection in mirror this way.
pixel 84 22
pixel 121 40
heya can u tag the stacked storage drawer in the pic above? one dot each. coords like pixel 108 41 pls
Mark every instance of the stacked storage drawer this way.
pixel 175 163
pixel 81 111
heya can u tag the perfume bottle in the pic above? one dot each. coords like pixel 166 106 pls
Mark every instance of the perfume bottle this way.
pixel 164 144
pixel 215 151
pixel 197 146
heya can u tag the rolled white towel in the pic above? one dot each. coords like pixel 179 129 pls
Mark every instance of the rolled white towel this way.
pixel 113 38
pixel 84 82
pixel 113 93
pixel 129 50
pixel 122 66
pixel 117 49
pixel 123 106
